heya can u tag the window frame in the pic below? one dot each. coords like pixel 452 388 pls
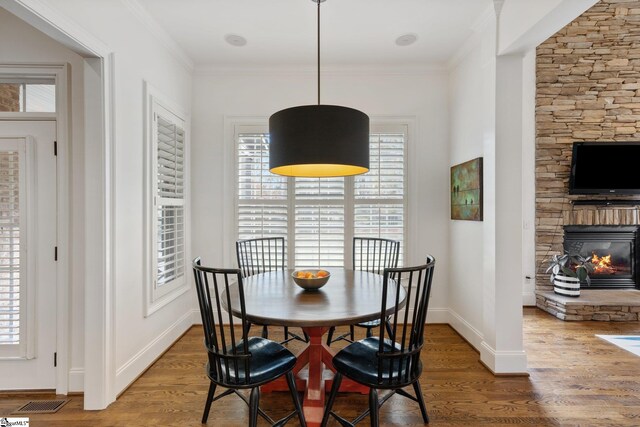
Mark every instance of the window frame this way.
pixel 156 297
pixel 399 125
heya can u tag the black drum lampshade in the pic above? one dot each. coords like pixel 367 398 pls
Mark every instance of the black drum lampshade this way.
pixel 319 141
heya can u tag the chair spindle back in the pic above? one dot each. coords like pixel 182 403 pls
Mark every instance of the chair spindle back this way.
pixel 228 354
pixel 374 254
pixel 260 255
pixel 401 363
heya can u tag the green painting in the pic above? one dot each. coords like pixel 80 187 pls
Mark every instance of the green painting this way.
pixel 466 190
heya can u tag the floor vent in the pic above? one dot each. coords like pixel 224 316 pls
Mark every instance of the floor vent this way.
pixel 42 407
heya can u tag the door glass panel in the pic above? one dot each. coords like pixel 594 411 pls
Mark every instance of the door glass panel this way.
pixel 9 248
pixel 27 97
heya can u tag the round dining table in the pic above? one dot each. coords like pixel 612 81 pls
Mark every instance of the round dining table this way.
pixel 349 297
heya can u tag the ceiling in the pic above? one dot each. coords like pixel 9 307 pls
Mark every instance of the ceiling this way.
pixel 283 32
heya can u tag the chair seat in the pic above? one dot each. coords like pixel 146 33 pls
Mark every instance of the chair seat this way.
pixel 269 360
pixel 359 362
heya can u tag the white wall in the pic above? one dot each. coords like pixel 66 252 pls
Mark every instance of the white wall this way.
pixel 140 54
pixel 472 127
pixel 419 94
pixel 21 43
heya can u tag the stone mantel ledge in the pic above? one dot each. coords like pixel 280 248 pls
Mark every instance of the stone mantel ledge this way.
pixel 601 305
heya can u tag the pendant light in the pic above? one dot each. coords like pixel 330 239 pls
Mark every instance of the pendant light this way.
pixel 319 140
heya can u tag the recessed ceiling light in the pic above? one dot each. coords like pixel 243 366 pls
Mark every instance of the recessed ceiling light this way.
pixel 235 40
pixel 406 39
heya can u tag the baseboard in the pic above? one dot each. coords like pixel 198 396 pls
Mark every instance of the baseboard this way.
pixel 503 362
pixel 196 319
pixel 76 380
pixel 437 315
pixel 466 329
pixel 131 369
pixel 529 299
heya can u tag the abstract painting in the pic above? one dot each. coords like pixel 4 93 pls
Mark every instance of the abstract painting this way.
pixel 466 190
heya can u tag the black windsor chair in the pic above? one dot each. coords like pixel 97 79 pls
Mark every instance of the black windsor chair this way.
pixel 370 254
pixel 389 364
pixel 260 256
pixel 239 362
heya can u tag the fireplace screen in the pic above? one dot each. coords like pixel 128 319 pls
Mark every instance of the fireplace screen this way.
pixel 612 251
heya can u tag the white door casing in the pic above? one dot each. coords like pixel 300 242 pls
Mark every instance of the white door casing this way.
pixel 33 367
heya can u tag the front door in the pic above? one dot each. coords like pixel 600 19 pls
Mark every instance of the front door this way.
pixel 28 217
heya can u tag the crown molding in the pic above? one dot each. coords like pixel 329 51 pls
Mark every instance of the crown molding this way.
pixel 481 24
pixel 293 70
pixel 58 26
pixel 159 33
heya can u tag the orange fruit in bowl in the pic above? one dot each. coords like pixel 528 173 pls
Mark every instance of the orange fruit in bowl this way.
pixel 309 275
pixel 300 274
pixel 322 273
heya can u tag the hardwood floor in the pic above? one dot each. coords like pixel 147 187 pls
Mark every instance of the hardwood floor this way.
pixel 576 379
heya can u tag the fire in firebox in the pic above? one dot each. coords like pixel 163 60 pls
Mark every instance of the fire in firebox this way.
pixel 602 265
pixel 605 265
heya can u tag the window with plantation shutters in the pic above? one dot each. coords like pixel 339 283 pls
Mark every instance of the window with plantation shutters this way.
pixel 318 217
pixel 379 195
pixel 262 196
pixel 169 201
pixel 167 216
pixel 12 248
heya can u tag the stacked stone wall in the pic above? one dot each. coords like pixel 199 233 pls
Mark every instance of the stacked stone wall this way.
pixel 587 89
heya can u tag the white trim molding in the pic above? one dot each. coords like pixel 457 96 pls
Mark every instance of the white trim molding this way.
pixel 136 365
pixel 435 315
pixel 503 362
pixel 154 297
pixel 156 30
pixel 99 337
pixel 62 116
pixel 343 71
pixel 465 329
pixel 529 299
pixel 56 25
pixel 76 380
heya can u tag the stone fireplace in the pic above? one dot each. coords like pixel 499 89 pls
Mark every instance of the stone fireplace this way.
pixel 588 89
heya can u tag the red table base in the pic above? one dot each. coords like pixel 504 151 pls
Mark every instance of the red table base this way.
pixel 319 379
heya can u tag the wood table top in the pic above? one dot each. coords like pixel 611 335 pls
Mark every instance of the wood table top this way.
pixel 349 297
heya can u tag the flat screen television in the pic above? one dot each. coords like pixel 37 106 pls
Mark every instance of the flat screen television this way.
pixel 605 168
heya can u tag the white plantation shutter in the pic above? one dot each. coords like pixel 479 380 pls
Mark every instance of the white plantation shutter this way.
pixel 169 201
pixel 262 209
pixel 313 214
pixel 319 189
pixel 319 236
pixel 255 221
pixel 319 222
pixel 379 205
pixel 255 182
pixel 170 154
pixel 12 249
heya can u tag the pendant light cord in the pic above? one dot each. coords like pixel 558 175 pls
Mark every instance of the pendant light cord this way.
pixel 319 52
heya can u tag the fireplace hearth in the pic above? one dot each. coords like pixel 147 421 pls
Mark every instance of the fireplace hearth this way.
pixel 614 252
